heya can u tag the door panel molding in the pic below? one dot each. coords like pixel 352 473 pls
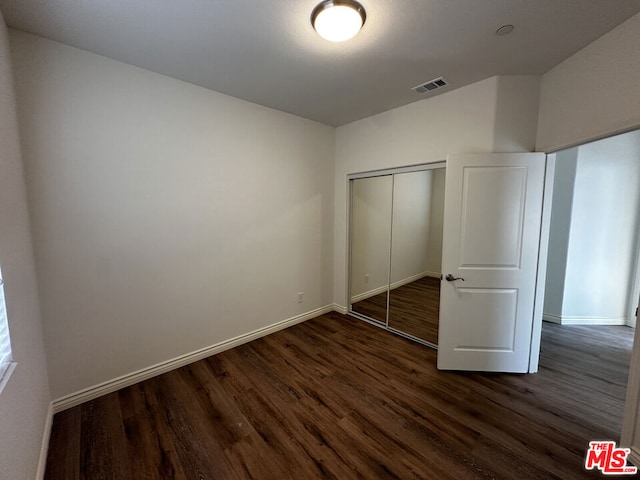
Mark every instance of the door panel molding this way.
pixel 493 210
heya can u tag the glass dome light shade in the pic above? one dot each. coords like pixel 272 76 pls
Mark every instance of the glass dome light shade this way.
pixel 338 21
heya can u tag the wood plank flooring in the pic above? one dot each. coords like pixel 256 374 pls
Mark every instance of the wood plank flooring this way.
pixel 414 308
pixel 373 307
pixel 338 398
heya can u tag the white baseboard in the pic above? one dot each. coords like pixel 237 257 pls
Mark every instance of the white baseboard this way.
pixel 394 285
pixel 340 309
pixel 573 320
pixel 109 386
pixel 368 294
pixel 548 317
pixel 413 278
pixel 44 446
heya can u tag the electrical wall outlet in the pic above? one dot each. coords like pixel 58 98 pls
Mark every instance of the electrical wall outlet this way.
pixel 300 297
pixel 366 279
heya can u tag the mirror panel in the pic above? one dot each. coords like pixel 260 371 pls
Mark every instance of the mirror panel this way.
pixel 370 246
pixel 416 253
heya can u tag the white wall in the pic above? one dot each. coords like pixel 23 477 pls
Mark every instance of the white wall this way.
pixel 463 120
pixel 436 222
pixel 604 224
pixel 601 242
pixel 411 224
pixel 417 223
pixel 414 234
pixel 24 402
pixel 565 175
pixel 371 235
pixel 166 217
pixel 516 113
pixel 593 93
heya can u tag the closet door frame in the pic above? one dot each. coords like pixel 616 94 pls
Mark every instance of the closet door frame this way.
pixel 370 174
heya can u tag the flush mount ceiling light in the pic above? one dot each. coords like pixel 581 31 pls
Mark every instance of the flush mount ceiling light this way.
pixel 338 20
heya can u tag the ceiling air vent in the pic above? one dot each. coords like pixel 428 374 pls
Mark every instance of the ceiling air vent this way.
pixel 430 85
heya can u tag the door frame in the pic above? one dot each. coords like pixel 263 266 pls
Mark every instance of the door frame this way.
pixel 631 410
pixel 543 250
pixel 543 253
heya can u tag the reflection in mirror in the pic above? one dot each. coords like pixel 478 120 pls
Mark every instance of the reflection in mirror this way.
pixel 416 253
pixel 370 246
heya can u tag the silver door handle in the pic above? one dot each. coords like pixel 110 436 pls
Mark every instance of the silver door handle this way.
pixel 451 278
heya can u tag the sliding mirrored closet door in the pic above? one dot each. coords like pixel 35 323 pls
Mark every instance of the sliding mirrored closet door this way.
pixel 416 253
pixel 404 211
pixel 370 246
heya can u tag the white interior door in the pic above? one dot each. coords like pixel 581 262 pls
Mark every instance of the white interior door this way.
pixel 491 237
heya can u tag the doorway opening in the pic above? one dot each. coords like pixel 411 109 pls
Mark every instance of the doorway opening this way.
pixel 592 280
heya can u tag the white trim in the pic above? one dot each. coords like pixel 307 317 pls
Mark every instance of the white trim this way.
pixel 5 374
pixel 413 278
pixel 44 448
pixel 543 252
pixel 630 413
pixel 398 284
pixel 126 380
pixel 369 294
pixel 390 263
pixel 397 170
pixel 433 275
pixel 340 309
pixel 578 320
pixel 634 287
pixel 593 321
pixel 548 317
pixel 349 258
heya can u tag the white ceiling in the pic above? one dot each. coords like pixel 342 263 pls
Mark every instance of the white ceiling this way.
pixel 266 51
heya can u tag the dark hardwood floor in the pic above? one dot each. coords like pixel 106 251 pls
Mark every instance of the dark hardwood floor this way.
pixel 338 398
pixel 373 307
pixel 414 308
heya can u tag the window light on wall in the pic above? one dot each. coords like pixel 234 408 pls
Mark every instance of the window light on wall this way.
pixel 5 342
